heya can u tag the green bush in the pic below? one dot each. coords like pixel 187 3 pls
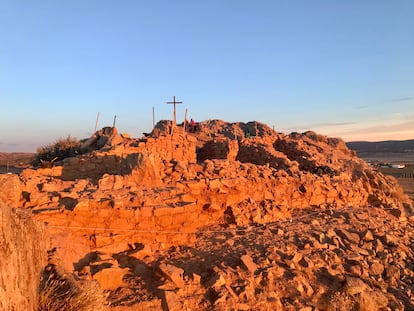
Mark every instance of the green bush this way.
pixel 59 150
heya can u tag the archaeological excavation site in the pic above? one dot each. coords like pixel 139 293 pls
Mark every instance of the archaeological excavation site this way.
pixel 219 216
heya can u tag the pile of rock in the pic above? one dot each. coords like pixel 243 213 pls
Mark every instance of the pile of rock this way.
pixel 344 259
pixel 162 191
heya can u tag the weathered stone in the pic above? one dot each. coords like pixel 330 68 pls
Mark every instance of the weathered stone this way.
pixel 354 286
pixel 390 240
pixel 110 278
pixel 358 250
pixel 392 274
pixel 379 247
pixel 82 206
pixel 214 184
pixel 249 263
pixel 23 256
pixel 173 273
pixel 376 268
pixel 10 189
pixel 317 245
pixel 368 236
pixel 306 263
pixel 372 300
pixel 216 281
pixel 355 270
pixel 395 212
pixel 297 257
pixel 106 182
pixel 351 237
pixel 174 301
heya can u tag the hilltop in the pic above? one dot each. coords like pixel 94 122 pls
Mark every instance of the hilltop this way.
pixel 392 151
pixel 225 216
pixel 399 146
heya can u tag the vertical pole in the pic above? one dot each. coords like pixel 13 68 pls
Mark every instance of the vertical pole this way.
pixel 153 117
pixel 114 121
pixel 175 115
pixel 174 122
pixel 96 123
pixel 185 121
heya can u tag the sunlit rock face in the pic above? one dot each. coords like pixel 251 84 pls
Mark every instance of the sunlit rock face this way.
pixel 116 208
pixel 23 255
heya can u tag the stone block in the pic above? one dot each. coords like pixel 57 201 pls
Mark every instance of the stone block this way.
pixel 111 278
pixel 249 263
pixel 173 273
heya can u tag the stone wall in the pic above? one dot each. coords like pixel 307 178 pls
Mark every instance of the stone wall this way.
pixel 147 154
pixel 219 148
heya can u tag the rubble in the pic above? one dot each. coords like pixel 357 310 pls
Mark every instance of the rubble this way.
pixel 232 217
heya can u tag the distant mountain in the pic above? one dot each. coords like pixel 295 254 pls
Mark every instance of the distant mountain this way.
pixel 399 146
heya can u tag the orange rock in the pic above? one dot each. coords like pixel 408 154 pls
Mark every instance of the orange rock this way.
pixel 110 278
pixel 249 263
pixel 11 189
pixel 173 273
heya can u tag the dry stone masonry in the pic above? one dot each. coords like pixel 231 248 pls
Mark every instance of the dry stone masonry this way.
pixel 232 217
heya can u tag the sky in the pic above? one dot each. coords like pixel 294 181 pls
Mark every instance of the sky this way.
pixel 340 68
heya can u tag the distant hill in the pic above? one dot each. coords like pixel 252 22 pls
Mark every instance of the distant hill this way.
pixel 394 146
pixel 16 159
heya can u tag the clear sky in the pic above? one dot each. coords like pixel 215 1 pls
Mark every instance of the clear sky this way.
pixel 340 68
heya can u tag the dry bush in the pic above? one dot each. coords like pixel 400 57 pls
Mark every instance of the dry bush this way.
pixel 60 149
pixel 64 293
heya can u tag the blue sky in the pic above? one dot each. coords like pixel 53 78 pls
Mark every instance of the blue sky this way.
pixel 341 68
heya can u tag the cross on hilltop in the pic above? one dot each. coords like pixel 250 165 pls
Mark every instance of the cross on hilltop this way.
pixel 174 103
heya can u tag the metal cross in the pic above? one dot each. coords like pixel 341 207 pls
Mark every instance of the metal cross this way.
pixel 174 103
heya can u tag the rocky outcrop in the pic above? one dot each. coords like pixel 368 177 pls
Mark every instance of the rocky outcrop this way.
pixel 167 183
pixel 121 206
pixel 104 138
pixel 23 255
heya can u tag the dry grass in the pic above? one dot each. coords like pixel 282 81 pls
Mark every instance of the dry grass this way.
pixel 64 293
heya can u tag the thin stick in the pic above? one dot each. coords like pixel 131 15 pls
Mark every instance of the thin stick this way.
pixel 185 120
pixel 153 117
pixel 96 124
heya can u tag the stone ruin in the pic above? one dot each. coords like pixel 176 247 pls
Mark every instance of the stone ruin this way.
pixel 160 190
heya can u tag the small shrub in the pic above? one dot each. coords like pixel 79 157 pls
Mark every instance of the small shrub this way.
pixel 64 293
pixel 59 150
